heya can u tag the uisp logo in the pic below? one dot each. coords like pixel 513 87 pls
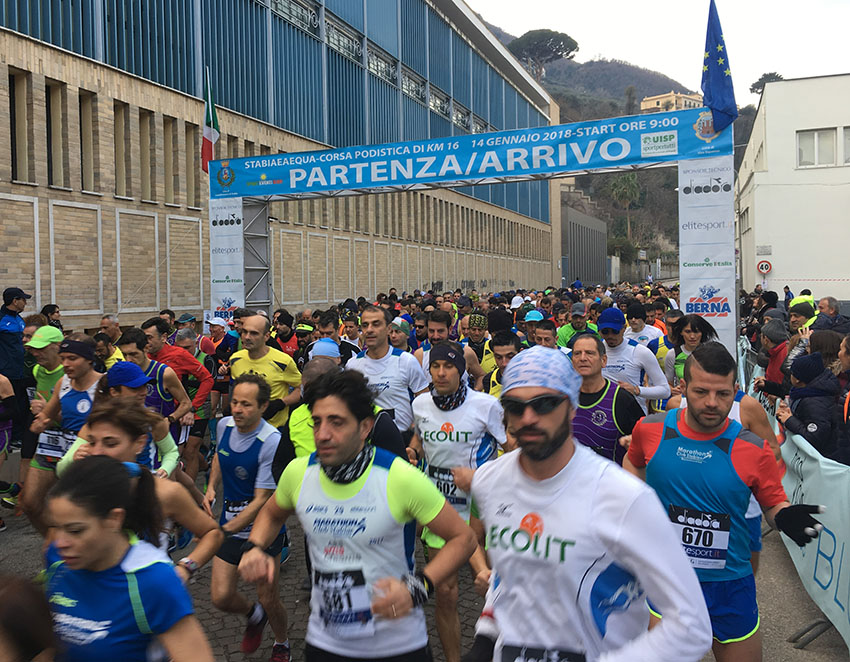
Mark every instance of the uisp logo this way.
pixel 708 304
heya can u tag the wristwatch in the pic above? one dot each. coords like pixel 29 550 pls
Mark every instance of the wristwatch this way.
pixel 188 564
pixel 247 546
pixel 170 418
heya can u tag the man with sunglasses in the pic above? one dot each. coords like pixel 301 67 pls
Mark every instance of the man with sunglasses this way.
pixel 629 361
pixel 455 427
pixel 579 535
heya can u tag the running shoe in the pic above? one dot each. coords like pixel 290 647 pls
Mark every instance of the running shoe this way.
pixel 9 501
pixel 254 634
pixel 280 653
pixel 3 528
pixel 284 552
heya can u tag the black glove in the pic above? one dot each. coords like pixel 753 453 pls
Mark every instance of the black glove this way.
pixel 481 651
pixel 274 407
pixel 797 522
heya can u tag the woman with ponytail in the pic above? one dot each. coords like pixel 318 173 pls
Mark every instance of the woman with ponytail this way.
pixel 112 594
pixel 118 428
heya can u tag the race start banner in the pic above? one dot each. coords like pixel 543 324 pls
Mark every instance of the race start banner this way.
pixel 707 243
pixel 486 158
pixel 227 257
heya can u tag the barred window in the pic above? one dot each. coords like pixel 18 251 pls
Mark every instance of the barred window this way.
pixel 382 65
pixel 478 125
pixel 304 16
pixel 413 86
pixel 343 42
pixel 439 103
pixel 461 117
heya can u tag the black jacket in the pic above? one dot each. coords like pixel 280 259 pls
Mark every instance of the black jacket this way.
pixel 814 414
pixel 839 324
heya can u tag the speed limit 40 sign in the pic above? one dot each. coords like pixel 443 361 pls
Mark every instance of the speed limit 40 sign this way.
pixel 764 267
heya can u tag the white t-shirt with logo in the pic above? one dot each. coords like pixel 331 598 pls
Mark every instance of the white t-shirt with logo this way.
pixel 393 378
pixel 629 362
pixel 574 559
pixel 463 437
pixel 644 336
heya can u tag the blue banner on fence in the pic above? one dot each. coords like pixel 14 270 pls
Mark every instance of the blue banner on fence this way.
pixel 812 478
pixel 477 158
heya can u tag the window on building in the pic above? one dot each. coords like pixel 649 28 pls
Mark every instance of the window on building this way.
pixel 439 103
pixel 19 121
pixel 146 153
pixel 232 147
pixel 121 132
pixel 478 125
pixel 170 155
pixel 301 14
pixel 816 148
pixel 461 117
pixel 413 86
pixel 382 65
pixel 343 41
pixel 192 166
pixel 249 148
pixel 846 145
pixel 54 96
pixel 87 139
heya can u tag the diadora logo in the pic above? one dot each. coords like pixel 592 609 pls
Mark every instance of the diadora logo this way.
pixel 708 304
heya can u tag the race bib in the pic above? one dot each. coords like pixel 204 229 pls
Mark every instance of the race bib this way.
pixel 345 607
pixel 445 482
pixel 703 534
pixel 55 443
pixel 231 509
pixel 530 654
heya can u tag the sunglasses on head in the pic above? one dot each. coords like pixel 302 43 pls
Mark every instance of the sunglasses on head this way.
pixel 541 405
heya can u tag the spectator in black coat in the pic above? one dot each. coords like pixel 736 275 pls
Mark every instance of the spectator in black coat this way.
pixel 813 397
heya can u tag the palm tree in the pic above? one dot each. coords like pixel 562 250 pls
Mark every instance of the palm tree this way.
pixel 626 191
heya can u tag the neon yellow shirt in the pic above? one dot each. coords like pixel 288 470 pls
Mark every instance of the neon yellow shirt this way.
pixel 277 368
pixel 410 493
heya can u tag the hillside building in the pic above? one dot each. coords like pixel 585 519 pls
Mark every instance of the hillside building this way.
pixel 104 202
pixel 793 188
pixel 661 103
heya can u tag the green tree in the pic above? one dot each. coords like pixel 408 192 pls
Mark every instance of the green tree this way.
pixel 770 77
pixel 537 48
pixel 631 100
pixel 625 191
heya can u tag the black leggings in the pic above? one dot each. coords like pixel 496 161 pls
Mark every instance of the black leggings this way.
pixel 313 654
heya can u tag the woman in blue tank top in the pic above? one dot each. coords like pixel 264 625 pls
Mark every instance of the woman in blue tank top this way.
pixel 114 596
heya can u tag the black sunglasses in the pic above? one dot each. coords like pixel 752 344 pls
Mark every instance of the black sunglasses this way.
pixel 541 405
pixel 608 332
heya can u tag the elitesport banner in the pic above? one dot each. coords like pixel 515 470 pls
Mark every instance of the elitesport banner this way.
pixel 487 158
pixel 707 243
pixel 227 258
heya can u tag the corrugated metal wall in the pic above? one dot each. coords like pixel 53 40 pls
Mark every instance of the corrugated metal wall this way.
pixel 298 80
pixel 346 107
pixel 61 23
pixel 383 112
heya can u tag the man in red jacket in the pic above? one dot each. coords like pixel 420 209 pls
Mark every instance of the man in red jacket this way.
pixel 183 363
pixel 774 339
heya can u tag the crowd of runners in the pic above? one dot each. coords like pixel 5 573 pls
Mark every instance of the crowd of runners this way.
pixel 586 450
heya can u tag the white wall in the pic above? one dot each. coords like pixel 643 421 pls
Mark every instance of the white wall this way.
pixel 803 214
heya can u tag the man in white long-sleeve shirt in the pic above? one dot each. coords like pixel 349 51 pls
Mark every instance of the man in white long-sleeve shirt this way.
pixel 577 546
pixel 629 361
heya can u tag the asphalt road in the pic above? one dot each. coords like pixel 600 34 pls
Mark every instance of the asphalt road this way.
pixel 785 606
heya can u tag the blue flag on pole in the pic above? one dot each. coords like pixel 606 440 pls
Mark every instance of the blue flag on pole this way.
pixel 717 90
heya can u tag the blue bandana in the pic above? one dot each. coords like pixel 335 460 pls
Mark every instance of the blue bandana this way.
pixel 545 368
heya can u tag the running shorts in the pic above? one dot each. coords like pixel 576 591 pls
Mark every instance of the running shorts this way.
pixel 231 549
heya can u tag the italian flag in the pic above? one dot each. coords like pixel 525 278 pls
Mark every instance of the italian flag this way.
pixel 210 124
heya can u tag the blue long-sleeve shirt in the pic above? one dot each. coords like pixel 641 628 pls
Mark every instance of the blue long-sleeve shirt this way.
pixel 11 344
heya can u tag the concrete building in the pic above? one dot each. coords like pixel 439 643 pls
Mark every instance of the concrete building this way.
pixel 584 240
pixel 793 188
pixel 670 101
pixel 104 203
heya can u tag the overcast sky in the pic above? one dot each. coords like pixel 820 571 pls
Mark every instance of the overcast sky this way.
pixel 794 38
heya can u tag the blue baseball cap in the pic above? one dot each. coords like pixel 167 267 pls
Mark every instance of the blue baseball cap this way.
pixel 125 373
pixel 611 318
pixel 325 347
pixel 534 316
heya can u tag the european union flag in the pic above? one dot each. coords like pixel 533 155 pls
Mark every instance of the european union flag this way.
pixel 717 90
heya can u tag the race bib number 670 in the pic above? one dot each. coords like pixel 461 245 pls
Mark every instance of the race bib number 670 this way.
pixel 704 536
